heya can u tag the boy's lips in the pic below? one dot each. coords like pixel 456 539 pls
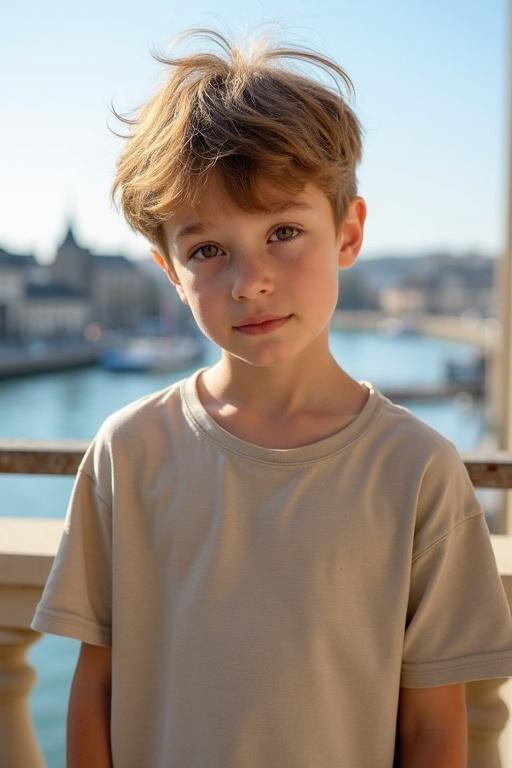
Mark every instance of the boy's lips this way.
pixel 261 323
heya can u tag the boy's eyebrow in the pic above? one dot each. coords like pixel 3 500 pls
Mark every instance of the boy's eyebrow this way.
pixel 196 228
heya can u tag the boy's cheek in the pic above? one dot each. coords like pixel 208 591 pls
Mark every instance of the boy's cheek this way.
pixel 188 288
pixel 203 313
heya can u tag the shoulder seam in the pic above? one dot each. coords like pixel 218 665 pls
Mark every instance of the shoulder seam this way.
pixel 95 484
pixel 445 535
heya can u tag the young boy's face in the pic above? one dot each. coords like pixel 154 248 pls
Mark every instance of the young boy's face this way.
pixel 236 268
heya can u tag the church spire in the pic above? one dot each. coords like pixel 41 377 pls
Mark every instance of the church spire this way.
pixel 70 237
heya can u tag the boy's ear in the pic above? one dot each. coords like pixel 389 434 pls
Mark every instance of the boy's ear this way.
pixel 171 274
pixel 351 232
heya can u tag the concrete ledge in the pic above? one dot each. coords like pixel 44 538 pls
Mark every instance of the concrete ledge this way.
pixel 27 549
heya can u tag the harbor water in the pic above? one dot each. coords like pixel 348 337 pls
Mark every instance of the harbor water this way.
pixel 73 404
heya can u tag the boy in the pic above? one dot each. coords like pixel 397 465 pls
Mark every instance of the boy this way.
pixel 268 563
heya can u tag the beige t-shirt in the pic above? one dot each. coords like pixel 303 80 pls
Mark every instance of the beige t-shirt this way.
pixel 265 605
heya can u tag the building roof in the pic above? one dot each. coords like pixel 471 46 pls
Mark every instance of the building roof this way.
pixel 20 260
pixel 113 262
pixel 52 291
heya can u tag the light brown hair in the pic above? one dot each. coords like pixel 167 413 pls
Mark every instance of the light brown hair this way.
pixel 243 117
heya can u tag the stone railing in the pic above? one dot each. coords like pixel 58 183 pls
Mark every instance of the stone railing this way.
pixel 27 548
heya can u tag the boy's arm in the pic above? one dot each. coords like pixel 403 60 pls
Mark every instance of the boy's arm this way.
pixel 88 726
pixel 432 727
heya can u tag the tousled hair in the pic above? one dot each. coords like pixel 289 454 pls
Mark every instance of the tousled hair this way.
pixel 241 118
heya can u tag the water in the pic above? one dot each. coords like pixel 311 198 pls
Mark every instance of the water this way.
pixel 73 405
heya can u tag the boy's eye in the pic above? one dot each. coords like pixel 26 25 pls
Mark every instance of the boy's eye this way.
pixel 280 234
pixel 205 252
pixel 286 232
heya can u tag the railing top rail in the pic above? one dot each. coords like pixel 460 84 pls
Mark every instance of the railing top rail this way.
pixel 62 457
pixel 41 457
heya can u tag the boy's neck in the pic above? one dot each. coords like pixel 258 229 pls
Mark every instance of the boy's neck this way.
pixel 281 406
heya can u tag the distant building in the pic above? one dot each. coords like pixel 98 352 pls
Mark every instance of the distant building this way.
pixel 15 270
pixel 453 285
pixel 119 293
pixel 438 283
pixel 78 288
pixel 51 311
pixel 395 301
pixel 72 265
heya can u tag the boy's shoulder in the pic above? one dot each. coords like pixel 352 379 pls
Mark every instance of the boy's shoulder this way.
pixel 126 435
pixel 399 429
pixel 140 414
pixel 417 461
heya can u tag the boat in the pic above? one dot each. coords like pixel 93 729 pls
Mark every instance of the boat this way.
pixel 155 353
pixel 469 372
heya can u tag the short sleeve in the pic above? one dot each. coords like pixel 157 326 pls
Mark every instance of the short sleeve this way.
pixel 459 626
pixel 76 601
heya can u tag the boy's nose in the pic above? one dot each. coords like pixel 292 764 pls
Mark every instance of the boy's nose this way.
pixel 251 277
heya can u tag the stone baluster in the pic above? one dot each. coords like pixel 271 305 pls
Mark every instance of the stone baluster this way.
pixel 487 717
pixel 27 548
pixel 18 745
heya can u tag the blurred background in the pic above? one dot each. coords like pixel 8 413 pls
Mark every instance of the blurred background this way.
pixel 88 324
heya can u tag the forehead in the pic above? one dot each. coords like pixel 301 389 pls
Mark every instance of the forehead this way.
pixel 214 204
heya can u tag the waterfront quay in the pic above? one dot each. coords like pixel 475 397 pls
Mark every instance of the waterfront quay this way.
pixel 43 357
pixel 482 333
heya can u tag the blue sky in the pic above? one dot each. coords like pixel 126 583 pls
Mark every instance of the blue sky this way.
pixel 431 85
